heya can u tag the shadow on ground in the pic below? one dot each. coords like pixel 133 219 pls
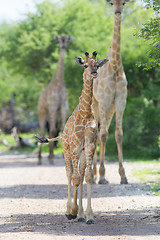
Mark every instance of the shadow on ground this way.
pixel 28 160
pixel 131 222
pixel 59 191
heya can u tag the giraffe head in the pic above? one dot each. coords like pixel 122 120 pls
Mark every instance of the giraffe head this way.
pixel 63 40
pixel 90 65
pixel 117 5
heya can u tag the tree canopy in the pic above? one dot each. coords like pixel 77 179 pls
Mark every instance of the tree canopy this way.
pixel 150 32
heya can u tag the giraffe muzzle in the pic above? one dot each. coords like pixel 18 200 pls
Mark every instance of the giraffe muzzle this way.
pixel 94 74
pixel 117 12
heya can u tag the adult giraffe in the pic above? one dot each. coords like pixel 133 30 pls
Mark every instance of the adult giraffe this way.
pixel 110 93
pixel 53 100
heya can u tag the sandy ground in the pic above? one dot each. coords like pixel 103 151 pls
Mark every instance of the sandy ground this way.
pixel 33 204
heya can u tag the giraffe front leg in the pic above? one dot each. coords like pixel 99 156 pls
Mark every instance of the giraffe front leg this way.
pixel 69 202
pixel 82 167
pixel 88 179
pixel 76 183
pixel 90 147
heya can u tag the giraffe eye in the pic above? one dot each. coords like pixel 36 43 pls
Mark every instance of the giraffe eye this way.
pixel 85 66
pixel 124 3
pixel 111 3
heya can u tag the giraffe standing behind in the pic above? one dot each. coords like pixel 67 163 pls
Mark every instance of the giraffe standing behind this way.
pixel 79 142
pixel 53 100
pixel 110 93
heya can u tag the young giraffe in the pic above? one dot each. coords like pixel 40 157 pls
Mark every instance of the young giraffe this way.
pixel 53 100
pixel 79 140
pixel 110 93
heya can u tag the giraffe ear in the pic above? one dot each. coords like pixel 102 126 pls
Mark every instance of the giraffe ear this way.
pixel 69 38
pixel 56 38
pixel 79 61
pixel 102 62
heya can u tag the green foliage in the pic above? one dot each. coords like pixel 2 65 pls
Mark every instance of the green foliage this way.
pixel 156 189
pixel 150 175
pixel 159 141
pixel 150 32
pixel 141 128
pixel 155 4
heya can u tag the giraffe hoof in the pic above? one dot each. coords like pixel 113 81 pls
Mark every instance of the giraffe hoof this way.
pixel 50 161
pixel 103 181
pixel 81 219
pixel 94 181
pixel 91 221
pixel 70 216
pixel 124 181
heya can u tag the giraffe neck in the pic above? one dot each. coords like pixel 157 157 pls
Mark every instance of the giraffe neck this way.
pixel 59 76
pixel 116 40
pixel 86 96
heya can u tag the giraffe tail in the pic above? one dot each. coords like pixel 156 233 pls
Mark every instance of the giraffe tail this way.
pixel 46 140
pixel 54 139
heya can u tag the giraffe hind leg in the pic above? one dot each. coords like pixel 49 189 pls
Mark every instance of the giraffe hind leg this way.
pixel 119 138
pixel 69 171
pixel 103 139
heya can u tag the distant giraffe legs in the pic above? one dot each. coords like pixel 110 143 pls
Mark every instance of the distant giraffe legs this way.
pixel 52 133
pixel 42 120
pixel 119 138
pixel 51 146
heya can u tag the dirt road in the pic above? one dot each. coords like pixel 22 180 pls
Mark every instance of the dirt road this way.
pixel 33 204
